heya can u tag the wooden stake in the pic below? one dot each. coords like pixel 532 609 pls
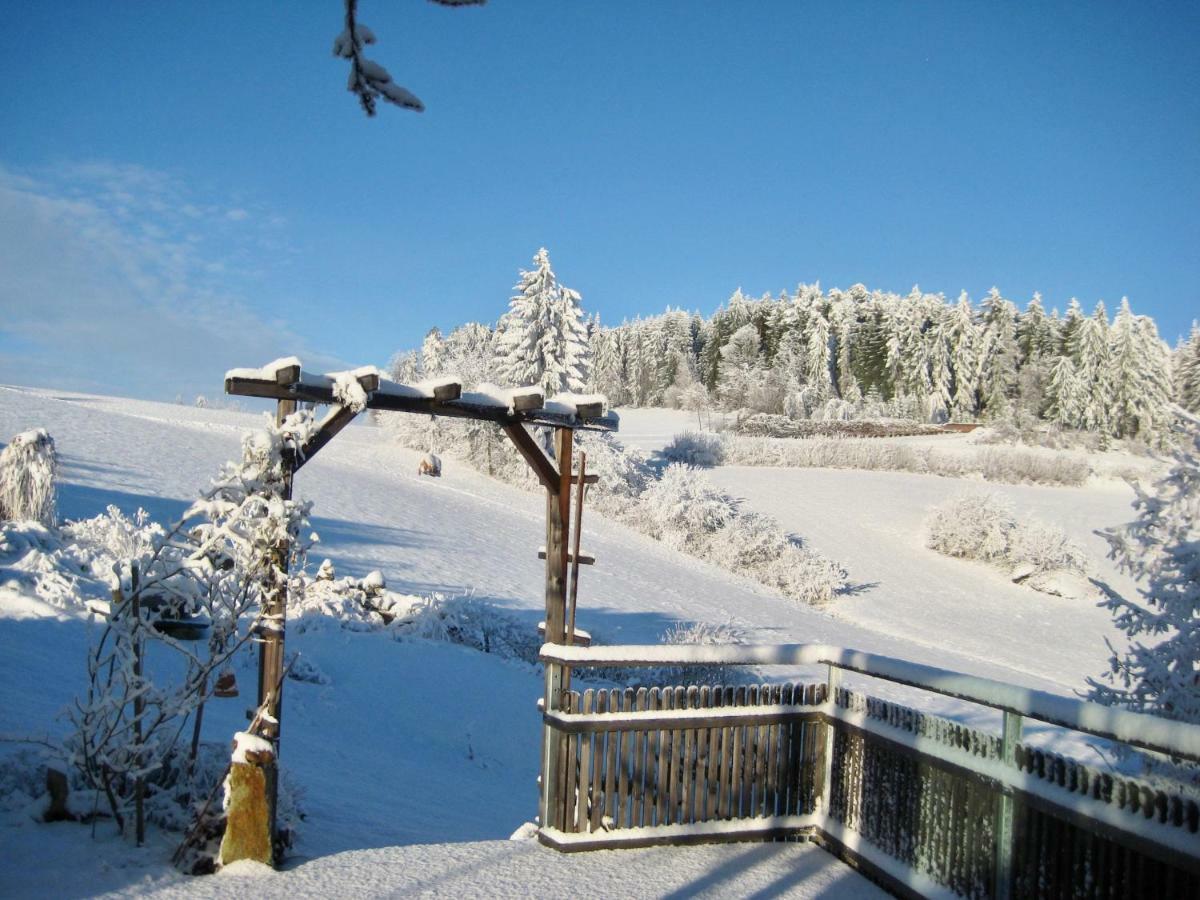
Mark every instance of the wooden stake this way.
pixel 576 529
pixel 139 706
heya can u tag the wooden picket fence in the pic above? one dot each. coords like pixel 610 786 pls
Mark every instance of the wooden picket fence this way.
pixel 921 804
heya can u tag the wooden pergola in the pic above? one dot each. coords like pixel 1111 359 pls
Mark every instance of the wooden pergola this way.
pixel 513 410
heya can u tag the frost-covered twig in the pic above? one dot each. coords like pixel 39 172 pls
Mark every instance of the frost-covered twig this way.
pixel 368 79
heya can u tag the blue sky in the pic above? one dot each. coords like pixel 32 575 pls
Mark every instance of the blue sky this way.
pixel 187 186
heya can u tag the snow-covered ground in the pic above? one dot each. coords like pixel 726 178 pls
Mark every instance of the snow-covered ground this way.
pixel 418 743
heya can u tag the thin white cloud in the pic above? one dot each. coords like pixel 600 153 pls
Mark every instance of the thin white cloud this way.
pixel 120 279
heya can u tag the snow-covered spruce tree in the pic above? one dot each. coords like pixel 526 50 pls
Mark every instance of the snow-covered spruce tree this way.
pixel 1187 371
pixel 739 370
pixel 963 336
pixel 998 373
pixel 1093 365
pixel 28 467
pixel 545 340
pixel 1065 395
pixel 217 562
pixel 1160 672
pixel 1140 377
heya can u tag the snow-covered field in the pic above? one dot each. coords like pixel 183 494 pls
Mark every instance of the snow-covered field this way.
pixel 418 743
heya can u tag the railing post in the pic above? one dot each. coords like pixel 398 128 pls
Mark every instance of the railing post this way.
pixel 1004 811
pixel 833 680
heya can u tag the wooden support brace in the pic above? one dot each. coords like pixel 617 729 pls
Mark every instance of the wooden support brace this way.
pixel 585 559
pixel 337 419
pixel 533 454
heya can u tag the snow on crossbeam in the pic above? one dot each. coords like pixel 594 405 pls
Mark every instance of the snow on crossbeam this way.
pixel 283 379
pixel 1148 732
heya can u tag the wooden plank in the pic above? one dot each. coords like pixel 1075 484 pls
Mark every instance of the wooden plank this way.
pixel 665 769
pixel 568 790
pixel 612 761
pixel 625 742
pixel 599 755
pixel 703 758
pixel 640 753
pixel 771 791
pixel 749 757
pixel 690 762
pixel 585 769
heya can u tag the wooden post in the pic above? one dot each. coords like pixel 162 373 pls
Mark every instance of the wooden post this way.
pixel 576 529
pixel 558 509
pixel 1003 857
pixel 833 681
pixel 270 660
pixel 139 704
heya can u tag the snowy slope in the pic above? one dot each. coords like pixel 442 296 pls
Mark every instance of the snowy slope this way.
pixel 428 743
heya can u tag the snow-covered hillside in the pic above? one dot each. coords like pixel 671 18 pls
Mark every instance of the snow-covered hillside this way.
pixel 416 742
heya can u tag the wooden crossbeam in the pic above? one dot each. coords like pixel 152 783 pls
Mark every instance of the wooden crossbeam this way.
pixel 446 399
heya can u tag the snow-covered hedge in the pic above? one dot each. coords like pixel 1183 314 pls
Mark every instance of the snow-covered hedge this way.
pixel 767 425
pixel 984 526
pixel 1000 464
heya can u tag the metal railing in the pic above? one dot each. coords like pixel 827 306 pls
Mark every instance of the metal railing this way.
pixel 922 804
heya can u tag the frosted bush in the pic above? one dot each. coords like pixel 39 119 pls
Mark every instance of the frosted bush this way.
pixel 695 449
pixel 1047 548
pixel 474 623
pixel 984 526
pixel 686 508
pixel 28 468
pixel 682 634
pixel 973 526
pixel 688 512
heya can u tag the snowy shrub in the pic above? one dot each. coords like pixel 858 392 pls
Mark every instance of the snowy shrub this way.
pixel 695 449
pixel 28 467
pixel 216 564
pixel 984 526
pixel 683 634
pixel 474 623
pixel 688 512
pixel 686 508
pixel 973 526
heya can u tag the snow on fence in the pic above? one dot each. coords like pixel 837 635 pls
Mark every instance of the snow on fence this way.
pixel 924 805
